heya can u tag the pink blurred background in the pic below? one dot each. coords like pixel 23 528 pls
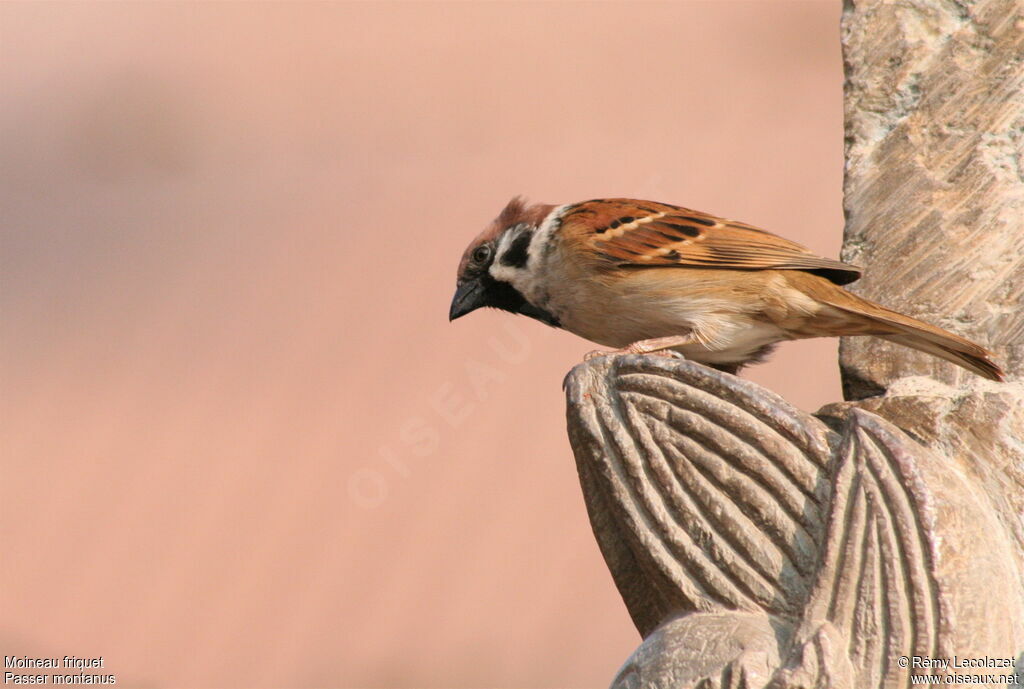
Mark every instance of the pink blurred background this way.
pixel 242 446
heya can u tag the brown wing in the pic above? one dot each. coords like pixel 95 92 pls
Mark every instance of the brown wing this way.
pixel 638 234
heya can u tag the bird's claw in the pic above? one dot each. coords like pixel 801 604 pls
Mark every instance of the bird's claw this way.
pixel 670 353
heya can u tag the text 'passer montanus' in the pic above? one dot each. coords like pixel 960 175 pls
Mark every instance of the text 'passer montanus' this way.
pixel 645 276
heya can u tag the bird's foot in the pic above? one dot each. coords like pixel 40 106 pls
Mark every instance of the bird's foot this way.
pixel 658 346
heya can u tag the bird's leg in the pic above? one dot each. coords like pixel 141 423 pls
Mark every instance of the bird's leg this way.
pixel 655 345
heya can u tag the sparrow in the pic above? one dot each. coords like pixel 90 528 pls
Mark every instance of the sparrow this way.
pixel 644 277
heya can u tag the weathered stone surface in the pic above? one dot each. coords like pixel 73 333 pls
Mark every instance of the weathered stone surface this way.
pixel 706 650
pixel 934 187
pixel 796 555
pixel 706 492
pixel 978 429
pixel 934 199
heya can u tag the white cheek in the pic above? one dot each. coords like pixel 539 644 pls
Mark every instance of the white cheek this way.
pixel 526 282
pixel 498 271
pixel 503 273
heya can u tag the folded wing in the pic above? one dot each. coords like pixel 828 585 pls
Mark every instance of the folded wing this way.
pixel 638 234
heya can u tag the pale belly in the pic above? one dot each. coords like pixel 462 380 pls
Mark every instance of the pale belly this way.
pixel 726 327
pixel 719 338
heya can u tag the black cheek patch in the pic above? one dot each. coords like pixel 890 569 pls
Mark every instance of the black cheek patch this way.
pixel 519 252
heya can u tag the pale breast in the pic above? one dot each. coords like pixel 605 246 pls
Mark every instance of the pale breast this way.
pixel 723 310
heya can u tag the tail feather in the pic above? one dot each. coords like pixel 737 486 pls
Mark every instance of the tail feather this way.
pixel 910 332
pixel 980 363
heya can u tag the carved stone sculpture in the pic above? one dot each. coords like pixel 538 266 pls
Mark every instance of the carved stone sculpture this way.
pixel 756 545
pixel 785 551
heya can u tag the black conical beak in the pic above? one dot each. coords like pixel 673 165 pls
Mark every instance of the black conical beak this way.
pixel 469 296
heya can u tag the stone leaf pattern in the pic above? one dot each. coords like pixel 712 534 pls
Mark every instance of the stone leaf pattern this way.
pixel 877 597
pixel 714 494
pixel 710 495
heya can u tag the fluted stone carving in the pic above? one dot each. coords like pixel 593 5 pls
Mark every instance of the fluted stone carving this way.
pixel 709 491
pixel 756 545
pixel 791 553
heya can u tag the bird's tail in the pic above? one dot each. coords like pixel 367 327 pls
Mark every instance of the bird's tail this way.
pixel 910 332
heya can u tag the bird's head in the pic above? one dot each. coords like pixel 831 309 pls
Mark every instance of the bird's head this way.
pixel 492 260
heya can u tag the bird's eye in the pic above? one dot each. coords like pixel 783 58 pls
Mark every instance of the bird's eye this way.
pixel 481 253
